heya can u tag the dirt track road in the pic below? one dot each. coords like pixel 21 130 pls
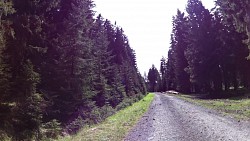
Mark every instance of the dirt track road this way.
pixel 172 119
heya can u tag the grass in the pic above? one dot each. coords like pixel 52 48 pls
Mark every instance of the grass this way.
pixel 115 127
pixel 237 107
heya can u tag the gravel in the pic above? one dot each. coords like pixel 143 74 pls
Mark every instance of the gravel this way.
pixel 172 119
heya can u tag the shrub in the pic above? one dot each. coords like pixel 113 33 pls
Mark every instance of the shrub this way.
pixel 75 125
pixel 125 103
pixel 4 136
pixel 51 129
pixel 99 114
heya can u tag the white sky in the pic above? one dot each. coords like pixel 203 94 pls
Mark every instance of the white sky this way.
pixel 147 23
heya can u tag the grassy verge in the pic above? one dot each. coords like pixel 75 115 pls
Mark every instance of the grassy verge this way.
pixel 238 107
pixel 115 127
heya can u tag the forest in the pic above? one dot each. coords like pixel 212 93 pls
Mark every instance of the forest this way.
pixel 61 68
pixel 209 50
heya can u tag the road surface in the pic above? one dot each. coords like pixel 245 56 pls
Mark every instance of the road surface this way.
pixel 172 119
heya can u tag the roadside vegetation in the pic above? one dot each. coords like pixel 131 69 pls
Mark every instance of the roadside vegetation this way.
pixel 235 106
pixel 115 127
pixel 62 67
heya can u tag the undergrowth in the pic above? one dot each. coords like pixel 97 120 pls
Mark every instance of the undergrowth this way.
pixel 115 127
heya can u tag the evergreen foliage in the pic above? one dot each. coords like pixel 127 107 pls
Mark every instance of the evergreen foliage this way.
pixel 61 68
pixel 180 32
pixel 154 79
pixel 207 54
pixel 238 13
pixel 163 72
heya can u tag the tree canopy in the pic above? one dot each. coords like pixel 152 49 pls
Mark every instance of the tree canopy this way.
pixel 208 49
pixel 61 68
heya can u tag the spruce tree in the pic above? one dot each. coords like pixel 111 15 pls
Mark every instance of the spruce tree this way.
pixel 232 53
pixel 200 46
pixel 61 67
pixel 21 49
pixel 154 79
pixel 170 69
pixel 5 75
pixel 163 71
pixel 101 57
pixel 68 79
pixel 238 12
pixel 180 29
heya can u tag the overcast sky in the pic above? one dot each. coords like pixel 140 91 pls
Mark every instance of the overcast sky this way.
pixel 147 23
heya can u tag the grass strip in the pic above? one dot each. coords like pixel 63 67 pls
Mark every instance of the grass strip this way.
pixel 115 127
pixel 238 108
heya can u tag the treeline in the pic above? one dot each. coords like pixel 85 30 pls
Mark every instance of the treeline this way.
pixel 209 49
pixel 61 68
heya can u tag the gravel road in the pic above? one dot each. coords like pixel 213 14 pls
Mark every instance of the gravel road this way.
pixel 172 119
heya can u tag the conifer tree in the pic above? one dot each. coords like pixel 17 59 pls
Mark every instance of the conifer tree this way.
pixel 5 75
pixel 71 66
pixel 61 67
pixel 21 47
pixel 101 62
pixel 200 46
pixel 180 29
pixel 170 69
pixel 154 79
pixel 163 70
pixel 238 12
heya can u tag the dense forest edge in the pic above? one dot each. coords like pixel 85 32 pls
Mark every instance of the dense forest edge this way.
pixel 61 68
pixel 116 127
pixel 209 52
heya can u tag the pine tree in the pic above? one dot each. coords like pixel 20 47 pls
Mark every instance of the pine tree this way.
pixel 238 12
pixel 200 46
pixel 5 75
pixel 154 79
pixel 163 71
pixel 102 63
pixel 114 76
pixel 170 69
pixel 21 47
pixel 232 53
pixel 61 67
pixel 180 29
pixel 68 81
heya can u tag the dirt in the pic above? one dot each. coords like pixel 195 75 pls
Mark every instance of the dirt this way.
pixel 172 119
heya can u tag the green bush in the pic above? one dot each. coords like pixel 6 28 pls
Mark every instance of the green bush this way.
pixel 4 136
pixel 51 129
pixel 76 125
pixel 99 114
pixel 125 103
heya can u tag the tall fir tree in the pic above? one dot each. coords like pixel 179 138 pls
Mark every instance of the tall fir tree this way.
pixel 154 79
pixel 60 64
pixel 163 71
pixel 70 65
pixel 102 62
pixel 21 50
pixel 170 69
pixel 200 46
pixel 238 12
pixel 180 29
